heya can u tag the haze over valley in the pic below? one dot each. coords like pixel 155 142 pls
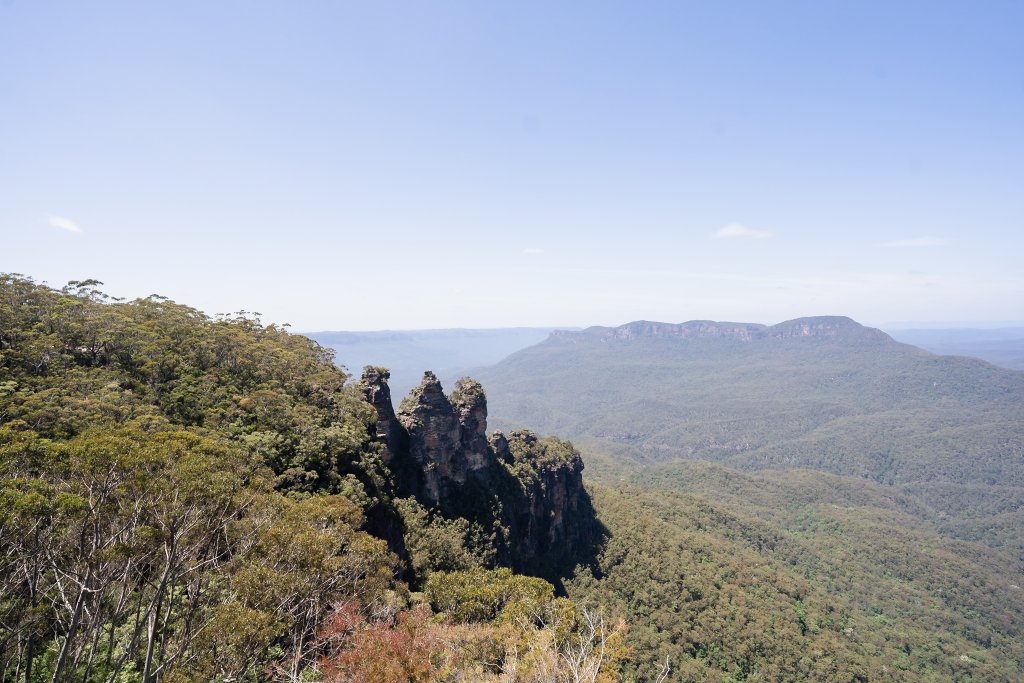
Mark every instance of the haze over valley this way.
pixel 458 352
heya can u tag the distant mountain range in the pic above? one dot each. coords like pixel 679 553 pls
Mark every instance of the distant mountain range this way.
pixel 449 353
pixel 453 353
pixel 821 393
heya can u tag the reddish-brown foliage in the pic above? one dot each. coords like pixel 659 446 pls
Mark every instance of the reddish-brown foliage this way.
pixel 401 649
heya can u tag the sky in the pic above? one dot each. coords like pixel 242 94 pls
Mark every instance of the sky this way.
pixel 359 166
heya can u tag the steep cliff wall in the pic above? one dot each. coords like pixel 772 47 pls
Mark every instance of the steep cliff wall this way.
pixel 814 327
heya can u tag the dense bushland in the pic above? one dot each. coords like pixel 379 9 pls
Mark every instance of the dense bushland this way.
pixel 193 499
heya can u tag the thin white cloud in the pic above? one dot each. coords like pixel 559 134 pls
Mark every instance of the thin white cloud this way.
pixel 64 224
pixel 734 230
pixel 918 242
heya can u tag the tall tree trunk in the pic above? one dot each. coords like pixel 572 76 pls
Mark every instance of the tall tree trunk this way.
pixel 154 619
pixel 28 658
pixel 33 584
pixel 76 617
pixel 154 612
pixel 154 606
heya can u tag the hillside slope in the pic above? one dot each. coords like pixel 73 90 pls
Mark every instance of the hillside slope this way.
pixel 740 577
pixel 869 473
pixel 819 393
pixel 193 499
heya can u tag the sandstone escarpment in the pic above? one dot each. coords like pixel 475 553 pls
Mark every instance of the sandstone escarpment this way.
pixel 826 326
pixel 813 327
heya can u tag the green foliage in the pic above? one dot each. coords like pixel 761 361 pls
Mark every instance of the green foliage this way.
pixel 917 460
pixel 773 577
pixel 487 595
pixel 184 499
pixel 466 391
pixel 78 362
pixel 434 543
pixel 532 454
pixel 165 491
pixel 189 499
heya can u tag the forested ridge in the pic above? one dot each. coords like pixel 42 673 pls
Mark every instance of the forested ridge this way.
pixel 193 499
pixel 824 394
pixel 882 480
pixel 186 498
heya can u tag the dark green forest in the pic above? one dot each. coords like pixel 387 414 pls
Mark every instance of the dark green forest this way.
pixel 187 498
pixel 885 480
pixel 948 431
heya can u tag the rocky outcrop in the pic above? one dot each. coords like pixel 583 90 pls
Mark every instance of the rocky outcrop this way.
pixel 552 517
pixel 527 491
pixel 826 326
pixel 435 439
pixel 390 432
pixel 470 405
pixel 499 445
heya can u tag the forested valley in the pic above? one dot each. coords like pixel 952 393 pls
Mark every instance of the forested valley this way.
pixel 187 498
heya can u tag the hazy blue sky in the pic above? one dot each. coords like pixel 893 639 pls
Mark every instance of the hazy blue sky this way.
pixel 406 165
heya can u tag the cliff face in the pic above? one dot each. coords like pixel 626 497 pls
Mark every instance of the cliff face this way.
pixel 389 430
pixel 552 513
pixel 813 327
pixel 688 330
pixel 527 491
pixel 435 440
pixel 827 326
